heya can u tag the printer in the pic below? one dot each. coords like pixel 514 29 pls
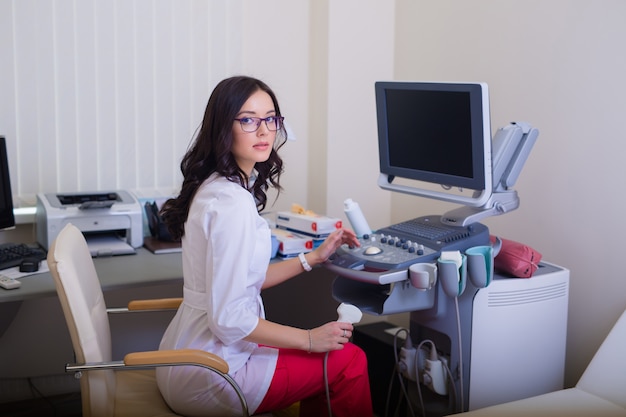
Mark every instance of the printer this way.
pixel 111 221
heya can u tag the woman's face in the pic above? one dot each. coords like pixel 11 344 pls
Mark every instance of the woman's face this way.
pixel 252 147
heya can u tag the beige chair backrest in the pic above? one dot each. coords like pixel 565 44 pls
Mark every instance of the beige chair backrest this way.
pixel 79 291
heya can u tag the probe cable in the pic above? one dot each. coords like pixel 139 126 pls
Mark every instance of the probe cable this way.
pixel 458 326
pixel 399 372
pixel 330 413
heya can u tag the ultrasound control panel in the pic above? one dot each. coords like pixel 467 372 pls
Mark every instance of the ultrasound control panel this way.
pixel 400 245
pixel 375 276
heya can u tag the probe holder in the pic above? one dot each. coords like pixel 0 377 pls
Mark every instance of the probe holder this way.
pixel 480 263
pixel 453 278
pixel 423 276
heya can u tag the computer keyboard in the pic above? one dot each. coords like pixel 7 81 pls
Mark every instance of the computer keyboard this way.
pixel 12 254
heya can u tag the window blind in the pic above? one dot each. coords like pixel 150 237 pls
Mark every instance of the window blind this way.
pixel 107 94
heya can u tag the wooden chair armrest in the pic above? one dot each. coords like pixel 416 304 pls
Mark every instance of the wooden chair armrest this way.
pixel 191 357
pixel 177 356
pixel 155 304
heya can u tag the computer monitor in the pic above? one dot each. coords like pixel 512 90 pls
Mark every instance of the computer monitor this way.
pixel 435 133
pixel 7 219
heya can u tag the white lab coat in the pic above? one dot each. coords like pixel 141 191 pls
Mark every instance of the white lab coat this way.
pixel 226 252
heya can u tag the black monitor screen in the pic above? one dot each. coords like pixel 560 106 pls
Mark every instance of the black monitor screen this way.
pixel 7 219
pixel 433 132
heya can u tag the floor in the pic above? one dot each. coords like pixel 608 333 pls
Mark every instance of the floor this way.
pixel 67 405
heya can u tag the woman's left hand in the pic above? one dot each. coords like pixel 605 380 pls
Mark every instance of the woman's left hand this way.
pixel 333 241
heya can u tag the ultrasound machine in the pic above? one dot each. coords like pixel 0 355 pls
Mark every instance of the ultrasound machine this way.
pixel 477 338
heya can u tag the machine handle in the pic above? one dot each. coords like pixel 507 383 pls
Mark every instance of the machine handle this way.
pixel 383 277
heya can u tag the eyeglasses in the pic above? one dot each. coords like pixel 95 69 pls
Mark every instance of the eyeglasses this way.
pixel 251 124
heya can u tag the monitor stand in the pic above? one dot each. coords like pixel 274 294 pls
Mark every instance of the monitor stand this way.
pixel 499 203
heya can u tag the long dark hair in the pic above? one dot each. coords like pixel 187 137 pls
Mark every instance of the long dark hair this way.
pixel 210 152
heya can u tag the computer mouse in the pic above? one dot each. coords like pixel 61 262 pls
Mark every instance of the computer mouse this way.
pixel 29 265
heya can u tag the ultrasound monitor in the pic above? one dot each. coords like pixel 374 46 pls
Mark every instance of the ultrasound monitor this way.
pixel 7 219
pixel 437 137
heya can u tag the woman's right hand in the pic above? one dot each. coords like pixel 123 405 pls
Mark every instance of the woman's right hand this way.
pixel 330 336
pixel 332 242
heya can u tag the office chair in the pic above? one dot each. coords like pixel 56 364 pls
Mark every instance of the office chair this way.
pixel 113 388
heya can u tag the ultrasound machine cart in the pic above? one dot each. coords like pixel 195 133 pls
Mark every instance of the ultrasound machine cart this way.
pixel 502 338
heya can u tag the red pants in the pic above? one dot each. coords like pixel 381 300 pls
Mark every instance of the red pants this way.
pixel 299 376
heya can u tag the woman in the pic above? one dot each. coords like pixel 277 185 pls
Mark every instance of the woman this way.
pixel 226 253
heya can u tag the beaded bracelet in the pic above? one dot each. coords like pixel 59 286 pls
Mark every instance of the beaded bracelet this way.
pixel 305 264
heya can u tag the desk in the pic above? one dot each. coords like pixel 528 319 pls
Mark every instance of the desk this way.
pixel 304 301
pixel 116 272
pixel 34 340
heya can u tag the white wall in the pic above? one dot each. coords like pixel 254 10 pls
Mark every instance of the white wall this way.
pixel 328 56
pixel 558 65
pixel 276 38
pixel 360 52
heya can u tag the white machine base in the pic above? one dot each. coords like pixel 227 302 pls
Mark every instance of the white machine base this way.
pixel 513 336
pixel 518 338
